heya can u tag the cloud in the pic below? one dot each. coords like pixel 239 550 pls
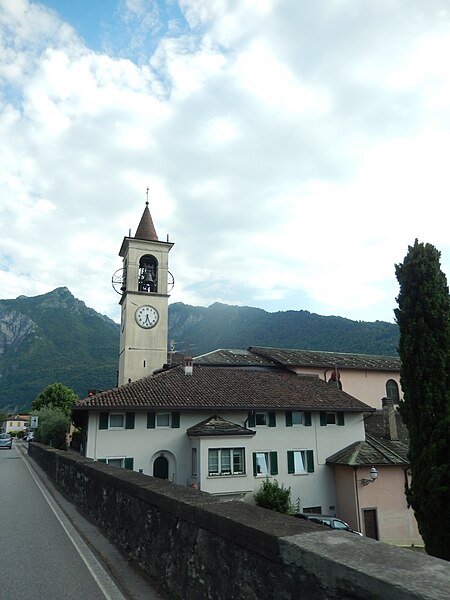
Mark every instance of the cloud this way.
pixel 292 150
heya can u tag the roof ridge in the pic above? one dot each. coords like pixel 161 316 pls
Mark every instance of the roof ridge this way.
pixel 333 352
pixel 374 442
pixel 355 452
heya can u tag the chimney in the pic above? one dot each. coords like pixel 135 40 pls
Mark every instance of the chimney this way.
pixel 188 365
pixel 390 424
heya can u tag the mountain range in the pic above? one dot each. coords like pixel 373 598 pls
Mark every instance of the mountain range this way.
pixel 55 337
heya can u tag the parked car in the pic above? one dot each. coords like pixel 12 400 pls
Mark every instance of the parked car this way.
pixel 5 440
pixel 29 437
pixel 328 520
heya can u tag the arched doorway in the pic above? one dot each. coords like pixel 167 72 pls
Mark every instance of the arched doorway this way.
pixel 161 468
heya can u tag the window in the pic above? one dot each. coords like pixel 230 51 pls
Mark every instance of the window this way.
pixel 121 463
pixel 194 462
pixel 226 461
pixel 300 461
pixel 332 418
pixel 116 420
pixel 115 462
pixel 265 463
pixel 313 510
pixel 340 524
pixel 262 419
pixel 392 391
pixel 163 420
pixel 295 418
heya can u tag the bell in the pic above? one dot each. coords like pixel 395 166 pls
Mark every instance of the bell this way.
pixel 148 276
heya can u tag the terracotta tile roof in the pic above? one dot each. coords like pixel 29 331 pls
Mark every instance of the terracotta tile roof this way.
pixel 377 449
pixel 230 388
pixel 375 428
pixel 327 360
pixel 235 357
pixel 218 426
pixel 146 230
pixel 376 431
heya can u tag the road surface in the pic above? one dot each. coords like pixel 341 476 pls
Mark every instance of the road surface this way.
pixel 42 554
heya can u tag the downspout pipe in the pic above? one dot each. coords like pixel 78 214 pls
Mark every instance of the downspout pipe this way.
pixel 355 475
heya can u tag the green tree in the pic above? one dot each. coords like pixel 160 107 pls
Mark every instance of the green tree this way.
pixel 3 417
pixel 53 426
pixel 274 497
pixel 423 316
pixel 56 395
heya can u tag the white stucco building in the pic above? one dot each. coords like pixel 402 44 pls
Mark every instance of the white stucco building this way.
pixel 225 429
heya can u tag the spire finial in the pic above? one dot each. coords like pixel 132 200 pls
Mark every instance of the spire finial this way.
pixel 147 196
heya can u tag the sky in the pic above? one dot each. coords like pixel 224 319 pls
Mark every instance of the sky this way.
pixel 293 150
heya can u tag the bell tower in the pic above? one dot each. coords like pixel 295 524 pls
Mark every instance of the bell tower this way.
pixel 144 283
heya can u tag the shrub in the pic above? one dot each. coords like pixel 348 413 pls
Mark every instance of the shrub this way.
pixel 274 497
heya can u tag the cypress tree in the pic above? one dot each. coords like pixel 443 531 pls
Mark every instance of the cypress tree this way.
pixel 423 316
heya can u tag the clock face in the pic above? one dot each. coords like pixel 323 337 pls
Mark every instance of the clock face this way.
pixel 146 316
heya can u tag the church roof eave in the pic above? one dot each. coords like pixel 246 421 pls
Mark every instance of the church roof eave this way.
pixel 127 239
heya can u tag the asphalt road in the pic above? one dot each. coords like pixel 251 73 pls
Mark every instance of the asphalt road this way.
pixel 47 550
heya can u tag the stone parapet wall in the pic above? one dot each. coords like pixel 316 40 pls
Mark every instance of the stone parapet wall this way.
pixel 196 547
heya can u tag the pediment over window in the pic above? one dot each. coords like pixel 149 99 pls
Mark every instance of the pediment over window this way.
pixel 218 426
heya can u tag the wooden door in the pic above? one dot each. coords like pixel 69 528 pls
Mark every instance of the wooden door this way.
pixel 371 523
pixel 161 468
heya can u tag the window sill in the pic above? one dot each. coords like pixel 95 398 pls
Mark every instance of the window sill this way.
pixel 227 476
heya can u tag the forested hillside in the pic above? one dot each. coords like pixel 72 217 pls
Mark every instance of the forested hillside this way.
pixel 57 338
pixel 54 338
pixel 197 330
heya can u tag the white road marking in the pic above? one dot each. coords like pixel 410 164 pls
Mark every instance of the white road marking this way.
pixel 100 576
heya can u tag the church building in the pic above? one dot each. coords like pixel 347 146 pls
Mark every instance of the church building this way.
pixel 224 422
pixel 222 429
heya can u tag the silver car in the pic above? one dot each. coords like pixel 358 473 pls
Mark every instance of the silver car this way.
pixel 5 440
pixel 328 520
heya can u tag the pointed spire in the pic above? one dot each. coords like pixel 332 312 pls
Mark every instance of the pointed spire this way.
pixel 146 230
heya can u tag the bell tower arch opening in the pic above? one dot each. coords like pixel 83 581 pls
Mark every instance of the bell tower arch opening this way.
pixel 148 274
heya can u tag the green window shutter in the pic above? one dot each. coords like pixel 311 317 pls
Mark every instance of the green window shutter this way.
pixel 129 420
pixel 103 418
pixel 340 419
pixel 255 471
pixel 307 418
pixel 251 419
pixel 290 460
pixel 273 463
pixel 103 460
pixel 272 419
pixel 310 461
pixel 129 463
pixel 151 420
pixel 175 420
pixel 323 419
pixel 288 418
